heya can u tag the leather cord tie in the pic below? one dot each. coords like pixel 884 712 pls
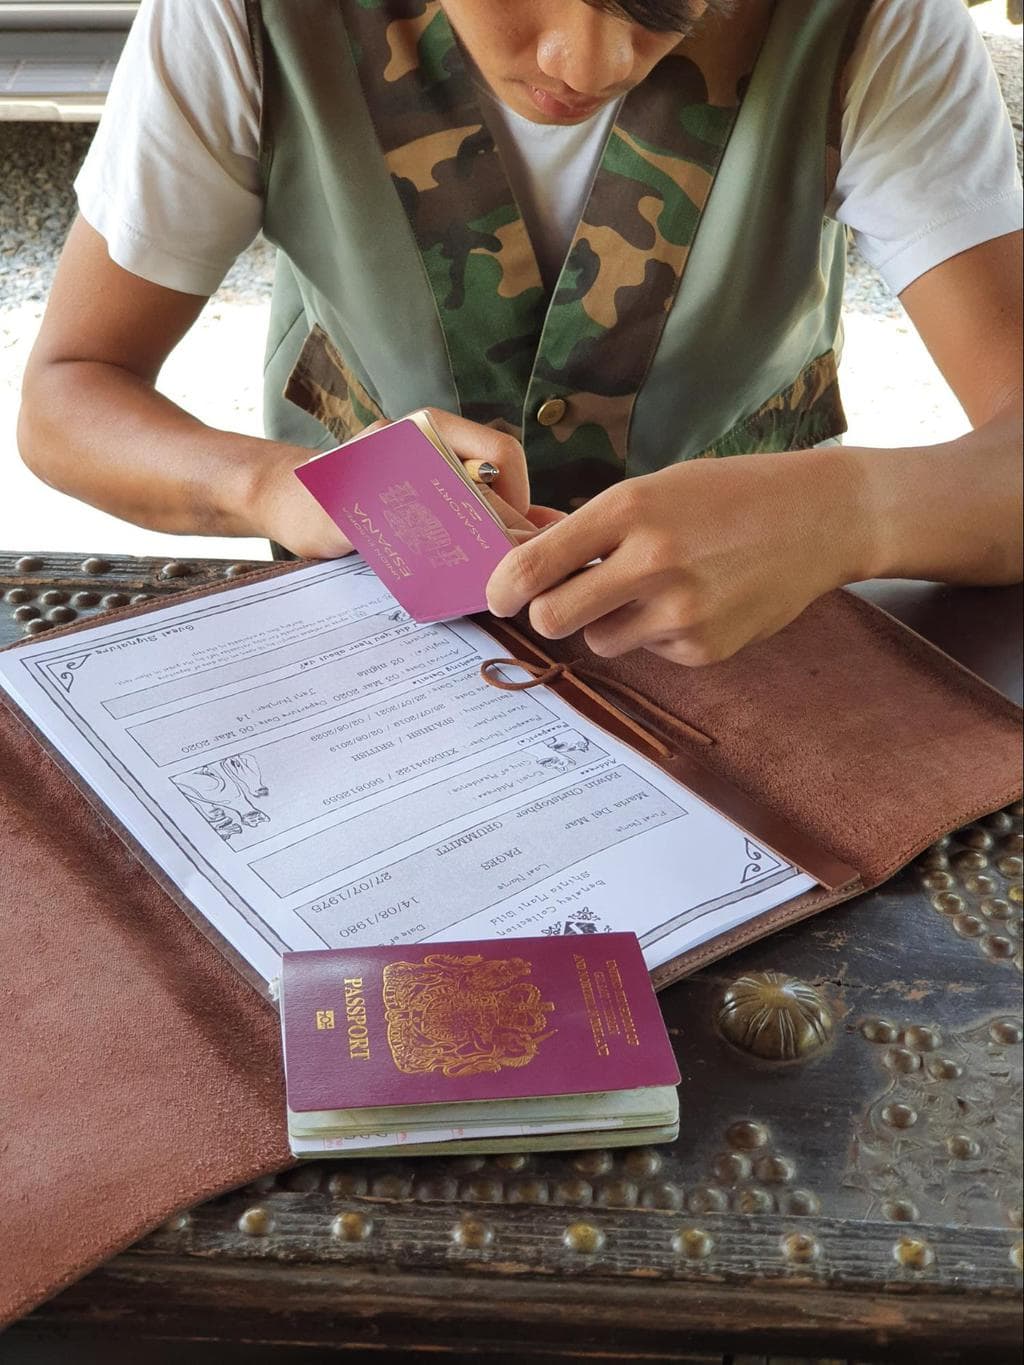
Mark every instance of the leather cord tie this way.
pixel 538 676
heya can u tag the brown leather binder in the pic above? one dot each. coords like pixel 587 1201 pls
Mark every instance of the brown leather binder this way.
pixel 139 1072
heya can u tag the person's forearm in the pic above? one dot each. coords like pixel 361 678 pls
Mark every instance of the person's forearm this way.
pixel 105 436
pixel 950 512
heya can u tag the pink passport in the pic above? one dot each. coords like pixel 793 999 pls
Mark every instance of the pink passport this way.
pixel 413 515
pixel 430 1023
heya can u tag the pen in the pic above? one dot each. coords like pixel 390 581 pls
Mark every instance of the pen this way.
pixel 482 471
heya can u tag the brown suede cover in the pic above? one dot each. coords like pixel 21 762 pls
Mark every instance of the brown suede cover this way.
pixel 139 1073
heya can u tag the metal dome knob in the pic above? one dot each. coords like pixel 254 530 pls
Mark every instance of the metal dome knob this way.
pixel 774 1016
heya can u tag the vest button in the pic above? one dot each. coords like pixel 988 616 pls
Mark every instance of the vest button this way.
pixel 551 411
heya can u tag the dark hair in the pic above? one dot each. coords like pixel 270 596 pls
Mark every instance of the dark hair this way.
pixel 662 16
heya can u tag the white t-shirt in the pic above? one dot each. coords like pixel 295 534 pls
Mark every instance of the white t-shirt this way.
pixel 928 165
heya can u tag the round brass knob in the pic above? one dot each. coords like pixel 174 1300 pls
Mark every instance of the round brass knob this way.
pixel 551 411
pixel 774 1016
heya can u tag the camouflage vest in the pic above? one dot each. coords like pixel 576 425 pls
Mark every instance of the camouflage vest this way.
pixel 698 309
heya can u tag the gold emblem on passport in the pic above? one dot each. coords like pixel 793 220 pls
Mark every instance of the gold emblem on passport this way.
pixel 324 1019
pixel 463 1016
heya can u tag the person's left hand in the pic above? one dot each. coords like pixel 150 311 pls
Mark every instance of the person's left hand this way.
pixel 697 560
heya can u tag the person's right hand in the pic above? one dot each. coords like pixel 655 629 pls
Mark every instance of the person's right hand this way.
pixel 287 513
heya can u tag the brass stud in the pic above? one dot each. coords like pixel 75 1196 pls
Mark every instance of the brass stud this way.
pixel 731 1167
pixel 511 1161
pixel 901 1211
pixel 391 1186
pixel 1016 809
pixel 968 926
pixel 53 597
pixel 774 1170
pixel 899 1115
pixel 436 1189
pixel 28 564
pixel 753 1201
pixel 642 1162
pixel 36 627
pixel 663 1194
pixel 707 1199
pixel 347 1184
pixel 26 613
pixel 351 1227
pixel 574 1192
pixel 1000 822
pixel 593 1163
pixel 693 1243
pixel 472 1234
pixel 95 565
pixel 962 1147
pixel 921 1039
pixel 879 1031
pixel 976 836
pixel 943 1069
pixel 114 599
pixel 801 1248
pixel 933 859
pixel 306 1179
pixel 938 880
pixel 482 1189
pixel 747 1136
pixel 996 908
pixel 1017 1255
pixel 17 595
pixel 948 903
pixel 981 885
pixel 583 1238
pixel 61 615
pixel 528 1190
pixel 1006 1032
pixel 1012 865
pixel 901 1059
pixel 1016 893
pixel 802 1203
pixel 462 1165
pixel 1013 843
pixel 255 1222
pixel 178 1222
pixel 914 1253
pixel 140 598
pixel 997 947
pixel 176 569
pixel 774 1017
pixel 85 599
pixel 616 1194
pixel 236 570
pixel 970 860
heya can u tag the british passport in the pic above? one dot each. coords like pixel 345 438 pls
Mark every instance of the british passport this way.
pixel 495 1046
pixel 408 506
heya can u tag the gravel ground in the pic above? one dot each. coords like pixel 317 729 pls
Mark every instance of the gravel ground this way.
pixel 216 370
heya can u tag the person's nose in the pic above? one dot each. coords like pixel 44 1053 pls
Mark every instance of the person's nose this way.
pixel 587 50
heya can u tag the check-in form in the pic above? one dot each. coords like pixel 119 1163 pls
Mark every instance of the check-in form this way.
pixel 311 768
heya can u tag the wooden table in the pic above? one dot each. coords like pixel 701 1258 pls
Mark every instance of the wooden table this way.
pixel 862 1201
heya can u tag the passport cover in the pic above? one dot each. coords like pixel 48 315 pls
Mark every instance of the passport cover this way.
pixel 414 516
pixel 441 1023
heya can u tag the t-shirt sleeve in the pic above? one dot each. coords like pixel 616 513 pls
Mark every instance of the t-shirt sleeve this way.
pixel 171 181
pixel 928 164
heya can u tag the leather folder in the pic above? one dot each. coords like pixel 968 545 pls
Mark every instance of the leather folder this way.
pixel 140 1072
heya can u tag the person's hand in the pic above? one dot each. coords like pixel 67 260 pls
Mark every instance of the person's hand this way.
pixel 697 560
pixel 287 513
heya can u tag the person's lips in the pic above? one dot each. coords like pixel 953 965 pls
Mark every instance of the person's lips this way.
pixel 558 108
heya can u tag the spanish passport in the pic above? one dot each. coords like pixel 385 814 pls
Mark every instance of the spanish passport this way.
pixel 406 503
pixel 496 1046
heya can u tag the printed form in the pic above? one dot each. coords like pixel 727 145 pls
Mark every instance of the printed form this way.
pixel 312 769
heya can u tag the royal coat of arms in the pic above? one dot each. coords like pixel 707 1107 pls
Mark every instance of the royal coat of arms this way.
pixel 463 1016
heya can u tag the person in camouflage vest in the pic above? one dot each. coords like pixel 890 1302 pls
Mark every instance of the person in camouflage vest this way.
pixel 695 316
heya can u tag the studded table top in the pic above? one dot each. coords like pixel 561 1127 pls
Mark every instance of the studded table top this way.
pixel 848 1174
